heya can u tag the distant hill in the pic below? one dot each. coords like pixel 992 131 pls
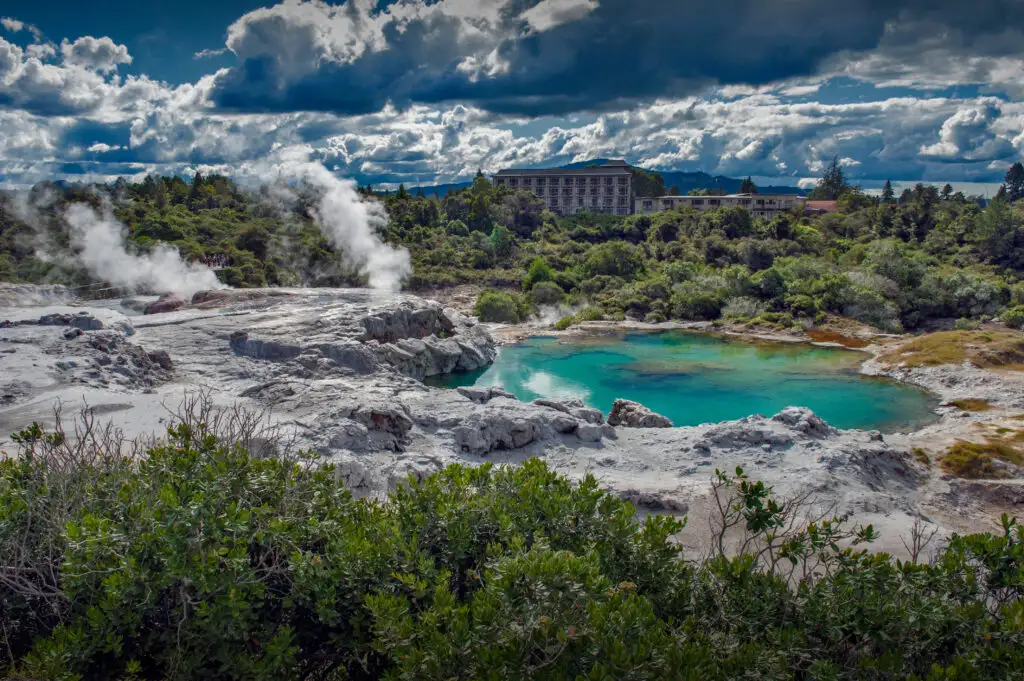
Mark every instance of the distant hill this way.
pixel 685 182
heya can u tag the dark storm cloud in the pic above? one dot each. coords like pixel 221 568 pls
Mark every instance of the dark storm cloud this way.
pixel 620 52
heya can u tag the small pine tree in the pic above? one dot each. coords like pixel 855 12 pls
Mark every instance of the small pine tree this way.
pixel 888 195
pixel 748 186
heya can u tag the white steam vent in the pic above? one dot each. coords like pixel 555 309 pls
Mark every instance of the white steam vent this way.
pixel 100 244
pixel 350 222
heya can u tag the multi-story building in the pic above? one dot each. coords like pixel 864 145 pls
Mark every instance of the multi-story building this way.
pixel 760 205
pixel 601 189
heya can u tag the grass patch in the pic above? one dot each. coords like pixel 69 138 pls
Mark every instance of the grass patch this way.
pixel 975 461
pixel 824 336
pixel 971 404
pixel 921 456
pixel 1004 349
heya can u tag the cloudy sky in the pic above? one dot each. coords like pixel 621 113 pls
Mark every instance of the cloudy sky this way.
pixel 428 91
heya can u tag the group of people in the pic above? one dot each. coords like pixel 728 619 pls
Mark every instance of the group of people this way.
pixel 216 261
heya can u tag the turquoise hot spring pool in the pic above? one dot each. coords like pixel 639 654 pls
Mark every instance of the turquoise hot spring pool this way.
pixel 697 378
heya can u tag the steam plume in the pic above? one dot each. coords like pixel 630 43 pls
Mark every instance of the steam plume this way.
pixel 349 221
pixel 100 244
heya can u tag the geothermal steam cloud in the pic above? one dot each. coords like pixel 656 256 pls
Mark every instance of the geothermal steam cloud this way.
pixel 100 243
pixel 350 223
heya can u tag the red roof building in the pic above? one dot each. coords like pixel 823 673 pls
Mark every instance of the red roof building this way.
pixel 822 206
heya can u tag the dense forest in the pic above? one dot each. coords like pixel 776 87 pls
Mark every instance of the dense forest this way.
pixel 896 263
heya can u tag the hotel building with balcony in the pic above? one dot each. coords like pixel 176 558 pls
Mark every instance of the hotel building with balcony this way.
pixel 606 188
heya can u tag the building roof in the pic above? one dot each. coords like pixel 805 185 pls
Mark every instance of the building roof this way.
pixel 611 167
pixel 827 206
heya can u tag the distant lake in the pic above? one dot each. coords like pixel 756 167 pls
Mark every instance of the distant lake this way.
pixel 697 378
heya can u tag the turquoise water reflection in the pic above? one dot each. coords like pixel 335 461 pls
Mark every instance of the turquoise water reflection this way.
pixel 696 378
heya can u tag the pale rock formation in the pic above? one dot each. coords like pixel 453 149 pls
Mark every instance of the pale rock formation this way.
pixel 636 415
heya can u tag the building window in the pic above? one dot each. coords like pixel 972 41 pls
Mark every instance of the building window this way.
pixel 713 202
pixel 668 203
pixel 698 202
pixel 648 204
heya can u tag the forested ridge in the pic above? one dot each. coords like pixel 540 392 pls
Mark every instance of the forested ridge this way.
pixel 894 263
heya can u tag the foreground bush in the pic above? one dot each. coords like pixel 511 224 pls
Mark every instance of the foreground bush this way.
pixel 202 562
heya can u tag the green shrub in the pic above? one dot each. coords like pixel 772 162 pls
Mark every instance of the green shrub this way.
pixel 201 561
pixel 743 308
pixel 538 271
pixel 614 259
pixel 498 306
pixel 546 293
pixel 964 324
pixel 1013 317
pixel 587 314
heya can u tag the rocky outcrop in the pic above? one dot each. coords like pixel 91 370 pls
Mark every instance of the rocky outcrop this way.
pixel 406 320
pixel 168 302
pixel 574 407
pixel 91 320
pixel 952 382
pixel 805 421
pixel 486 430
pixel 636 415
pixel 483 395
pixel 349 340
pixel 222 297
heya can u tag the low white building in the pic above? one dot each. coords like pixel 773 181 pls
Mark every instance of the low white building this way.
pixel 760 205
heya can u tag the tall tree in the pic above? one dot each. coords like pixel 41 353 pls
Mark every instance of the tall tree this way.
pixel 888 195
pixel 947 191
pixel 1014 182
pixel 647 184
pixel 832 183
pixel 748 186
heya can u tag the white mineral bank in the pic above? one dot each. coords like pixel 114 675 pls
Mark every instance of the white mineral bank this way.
pixel 340 370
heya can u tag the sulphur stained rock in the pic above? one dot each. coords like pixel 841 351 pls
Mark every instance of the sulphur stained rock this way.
pixel 169 302
pixel 636 415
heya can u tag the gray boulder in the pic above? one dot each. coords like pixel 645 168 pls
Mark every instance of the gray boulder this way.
pixel 635 415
